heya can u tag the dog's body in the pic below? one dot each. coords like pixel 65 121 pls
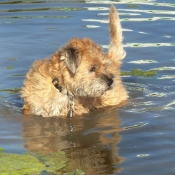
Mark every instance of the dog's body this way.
pixel 77 78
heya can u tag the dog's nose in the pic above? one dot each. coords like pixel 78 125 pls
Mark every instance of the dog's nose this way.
pixel 110 82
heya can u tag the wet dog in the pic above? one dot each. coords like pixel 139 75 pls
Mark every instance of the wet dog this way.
pixel 77 78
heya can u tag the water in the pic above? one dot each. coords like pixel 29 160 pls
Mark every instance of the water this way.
pixel 136 139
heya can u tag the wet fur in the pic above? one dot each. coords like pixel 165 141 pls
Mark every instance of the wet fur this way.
pixel 84 72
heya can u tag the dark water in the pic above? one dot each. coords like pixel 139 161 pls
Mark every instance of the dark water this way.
pixel 136 139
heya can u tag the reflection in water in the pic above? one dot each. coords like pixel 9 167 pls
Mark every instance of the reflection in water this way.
pixel 89 142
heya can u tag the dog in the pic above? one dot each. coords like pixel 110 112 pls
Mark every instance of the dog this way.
pixel 78 78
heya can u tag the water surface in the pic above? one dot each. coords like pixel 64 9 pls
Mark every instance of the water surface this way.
pixel 136 139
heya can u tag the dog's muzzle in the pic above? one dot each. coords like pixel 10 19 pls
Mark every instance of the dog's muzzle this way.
pixel 109 80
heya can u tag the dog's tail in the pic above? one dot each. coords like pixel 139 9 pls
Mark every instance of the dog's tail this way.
pixel 116 50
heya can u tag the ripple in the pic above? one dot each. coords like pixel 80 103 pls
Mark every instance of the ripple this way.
pixel 157 94
pixel 167 12
pixel 97 8
pixel 128 14
pixel 146 2
pixel 92 26
pixel 167 77
pixel 138 45
pixel 157 109
pixel 31 17
pixel 132 19
pixel 43 9
pixel 135 126
pixel 142 61
pixel 143 155
pixel 148 19
pixel 164 68
pixel 95 20
pixel 170 104
pixel 148 44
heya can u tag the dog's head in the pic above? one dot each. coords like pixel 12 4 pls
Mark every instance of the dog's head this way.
pixel 88 71
pixel 87 68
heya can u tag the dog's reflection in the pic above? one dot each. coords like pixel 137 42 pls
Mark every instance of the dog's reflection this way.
pixel 91 142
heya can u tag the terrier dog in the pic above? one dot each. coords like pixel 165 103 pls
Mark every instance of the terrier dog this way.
pixel 77 78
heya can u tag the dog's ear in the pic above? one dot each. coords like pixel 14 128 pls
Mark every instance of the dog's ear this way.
pixel 71 57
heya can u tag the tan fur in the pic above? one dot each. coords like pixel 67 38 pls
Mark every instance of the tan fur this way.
pixel 85 73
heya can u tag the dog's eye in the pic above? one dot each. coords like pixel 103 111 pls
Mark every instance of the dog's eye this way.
pixel 92 69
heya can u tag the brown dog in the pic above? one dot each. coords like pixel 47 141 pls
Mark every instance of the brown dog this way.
pixel 77 78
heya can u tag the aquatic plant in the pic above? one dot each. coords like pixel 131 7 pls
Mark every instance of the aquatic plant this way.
pixel 34 164
pixel 1 149
pixel 11 91
pixel 139 72
pixel 19 164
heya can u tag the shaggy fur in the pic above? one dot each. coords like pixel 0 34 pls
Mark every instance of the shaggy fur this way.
pixel 88 78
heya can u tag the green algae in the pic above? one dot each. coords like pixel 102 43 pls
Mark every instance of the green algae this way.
pixel 19 164
pixel 9 67
pixel 11 91
pixel 1 149
pixel 54 163
pixel 139 72
pixel 44 9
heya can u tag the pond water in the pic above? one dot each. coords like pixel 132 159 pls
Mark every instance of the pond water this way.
pixel 135 139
